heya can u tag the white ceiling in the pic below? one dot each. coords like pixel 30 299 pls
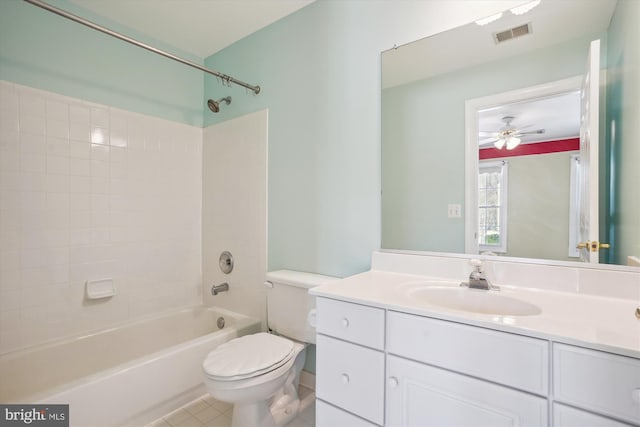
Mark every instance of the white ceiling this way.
pixel 200 27
pixel 552 21
pixel 559 116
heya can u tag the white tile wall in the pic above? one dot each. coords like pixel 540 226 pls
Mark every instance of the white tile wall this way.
pixel 88 192
pixel 235 212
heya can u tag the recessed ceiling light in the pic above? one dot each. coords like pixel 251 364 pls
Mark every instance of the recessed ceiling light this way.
pixel 521 10
pixel 489 19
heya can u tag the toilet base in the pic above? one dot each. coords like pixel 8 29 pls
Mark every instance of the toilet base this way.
pixel 252 414
pixel 286 403
pixel 275 412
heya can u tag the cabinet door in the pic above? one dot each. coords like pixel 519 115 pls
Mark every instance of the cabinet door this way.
pixel 565 416
pixel 424 396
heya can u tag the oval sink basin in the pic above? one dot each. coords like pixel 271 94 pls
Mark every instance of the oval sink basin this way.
pixel 476 301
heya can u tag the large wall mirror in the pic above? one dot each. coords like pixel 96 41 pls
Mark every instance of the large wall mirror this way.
pixel 494 109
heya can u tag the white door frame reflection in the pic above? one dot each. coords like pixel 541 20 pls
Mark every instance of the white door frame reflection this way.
pixel 472 106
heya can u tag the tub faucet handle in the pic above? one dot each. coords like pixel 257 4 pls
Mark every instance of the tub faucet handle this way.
pixel 216 289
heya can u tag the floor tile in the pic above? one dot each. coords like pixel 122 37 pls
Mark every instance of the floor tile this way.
pixel 299 422
pixel 309 413
pixel 207 414
pixel 190 421
pixel 221 421
pixel 209 399
pixel 303 392
pixel 176 416
pixel 196 406
pixel 220 406
pixel 159 423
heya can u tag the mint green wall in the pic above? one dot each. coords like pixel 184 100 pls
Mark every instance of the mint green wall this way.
pixel 423 128
pixel 319 77
pixel 319 70
pixel 45 51
pixel 623 109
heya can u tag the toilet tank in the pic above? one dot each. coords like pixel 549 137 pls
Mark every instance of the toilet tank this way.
pixel 289 303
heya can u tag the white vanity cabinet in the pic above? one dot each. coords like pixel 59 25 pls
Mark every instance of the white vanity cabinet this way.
pixel 377 366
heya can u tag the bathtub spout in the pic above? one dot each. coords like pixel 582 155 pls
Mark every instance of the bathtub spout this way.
pixel 215 290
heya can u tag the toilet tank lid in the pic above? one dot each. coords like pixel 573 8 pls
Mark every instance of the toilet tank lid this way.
pixel 299 278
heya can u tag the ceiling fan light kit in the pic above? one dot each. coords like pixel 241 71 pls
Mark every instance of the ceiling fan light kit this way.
pixel 509 136
pixel 512 142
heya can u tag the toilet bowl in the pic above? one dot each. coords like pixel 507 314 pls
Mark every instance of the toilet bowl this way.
pixel 259 373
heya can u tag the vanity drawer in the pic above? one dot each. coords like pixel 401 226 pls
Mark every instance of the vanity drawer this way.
pixel 513 360
pixel 351 377
pixel 566 416
pixel 352 322
pixel 330 416
pixel 600 382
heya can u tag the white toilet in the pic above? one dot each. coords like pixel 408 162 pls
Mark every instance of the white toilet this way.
pixel 259 373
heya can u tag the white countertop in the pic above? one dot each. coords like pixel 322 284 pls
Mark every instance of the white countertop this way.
pixel 602 323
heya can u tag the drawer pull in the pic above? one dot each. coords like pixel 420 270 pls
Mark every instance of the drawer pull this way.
pixel 635 395
pixel 345 322
pixel 393 382
pixel 344 378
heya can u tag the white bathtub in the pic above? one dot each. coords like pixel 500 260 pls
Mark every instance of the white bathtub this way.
pixel 128 375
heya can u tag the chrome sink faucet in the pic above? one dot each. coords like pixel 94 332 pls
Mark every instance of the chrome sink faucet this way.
pixel 478 279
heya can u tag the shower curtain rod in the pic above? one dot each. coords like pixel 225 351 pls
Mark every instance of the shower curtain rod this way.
pixel 65 14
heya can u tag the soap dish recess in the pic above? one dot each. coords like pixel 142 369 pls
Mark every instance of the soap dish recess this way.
pixel 97 289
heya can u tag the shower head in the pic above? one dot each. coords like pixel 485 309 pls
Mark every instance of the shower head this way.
pixel 215 105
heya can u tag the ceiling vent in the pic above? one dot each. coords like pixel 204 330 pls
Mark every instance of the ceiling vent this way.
pixel 512 33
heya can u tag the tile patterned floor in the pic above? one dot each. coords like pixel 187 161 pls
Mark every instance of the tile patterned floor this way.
pixel 209 412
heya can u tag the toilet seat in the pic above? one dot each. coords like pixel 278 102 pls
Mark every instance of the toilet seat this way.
pixel 248 356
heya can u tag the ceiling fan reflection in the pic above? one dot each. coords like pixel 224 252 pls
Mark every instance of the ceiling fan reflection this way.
pixel 508 136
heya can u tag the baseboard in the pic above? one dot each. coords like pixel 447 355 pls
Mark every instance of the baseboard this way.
pixel 308 380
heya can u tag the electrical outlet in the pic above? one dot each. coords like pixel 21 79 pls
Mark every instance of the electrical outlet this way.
pixel 454 211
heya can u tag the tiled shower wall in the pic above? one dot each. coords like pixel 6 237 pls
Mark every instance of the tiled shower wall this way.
pixel 91 192
pixel 234 206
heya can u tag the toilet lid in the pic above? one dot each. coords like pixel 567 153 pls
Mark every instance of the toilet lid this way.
pixel 248 356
